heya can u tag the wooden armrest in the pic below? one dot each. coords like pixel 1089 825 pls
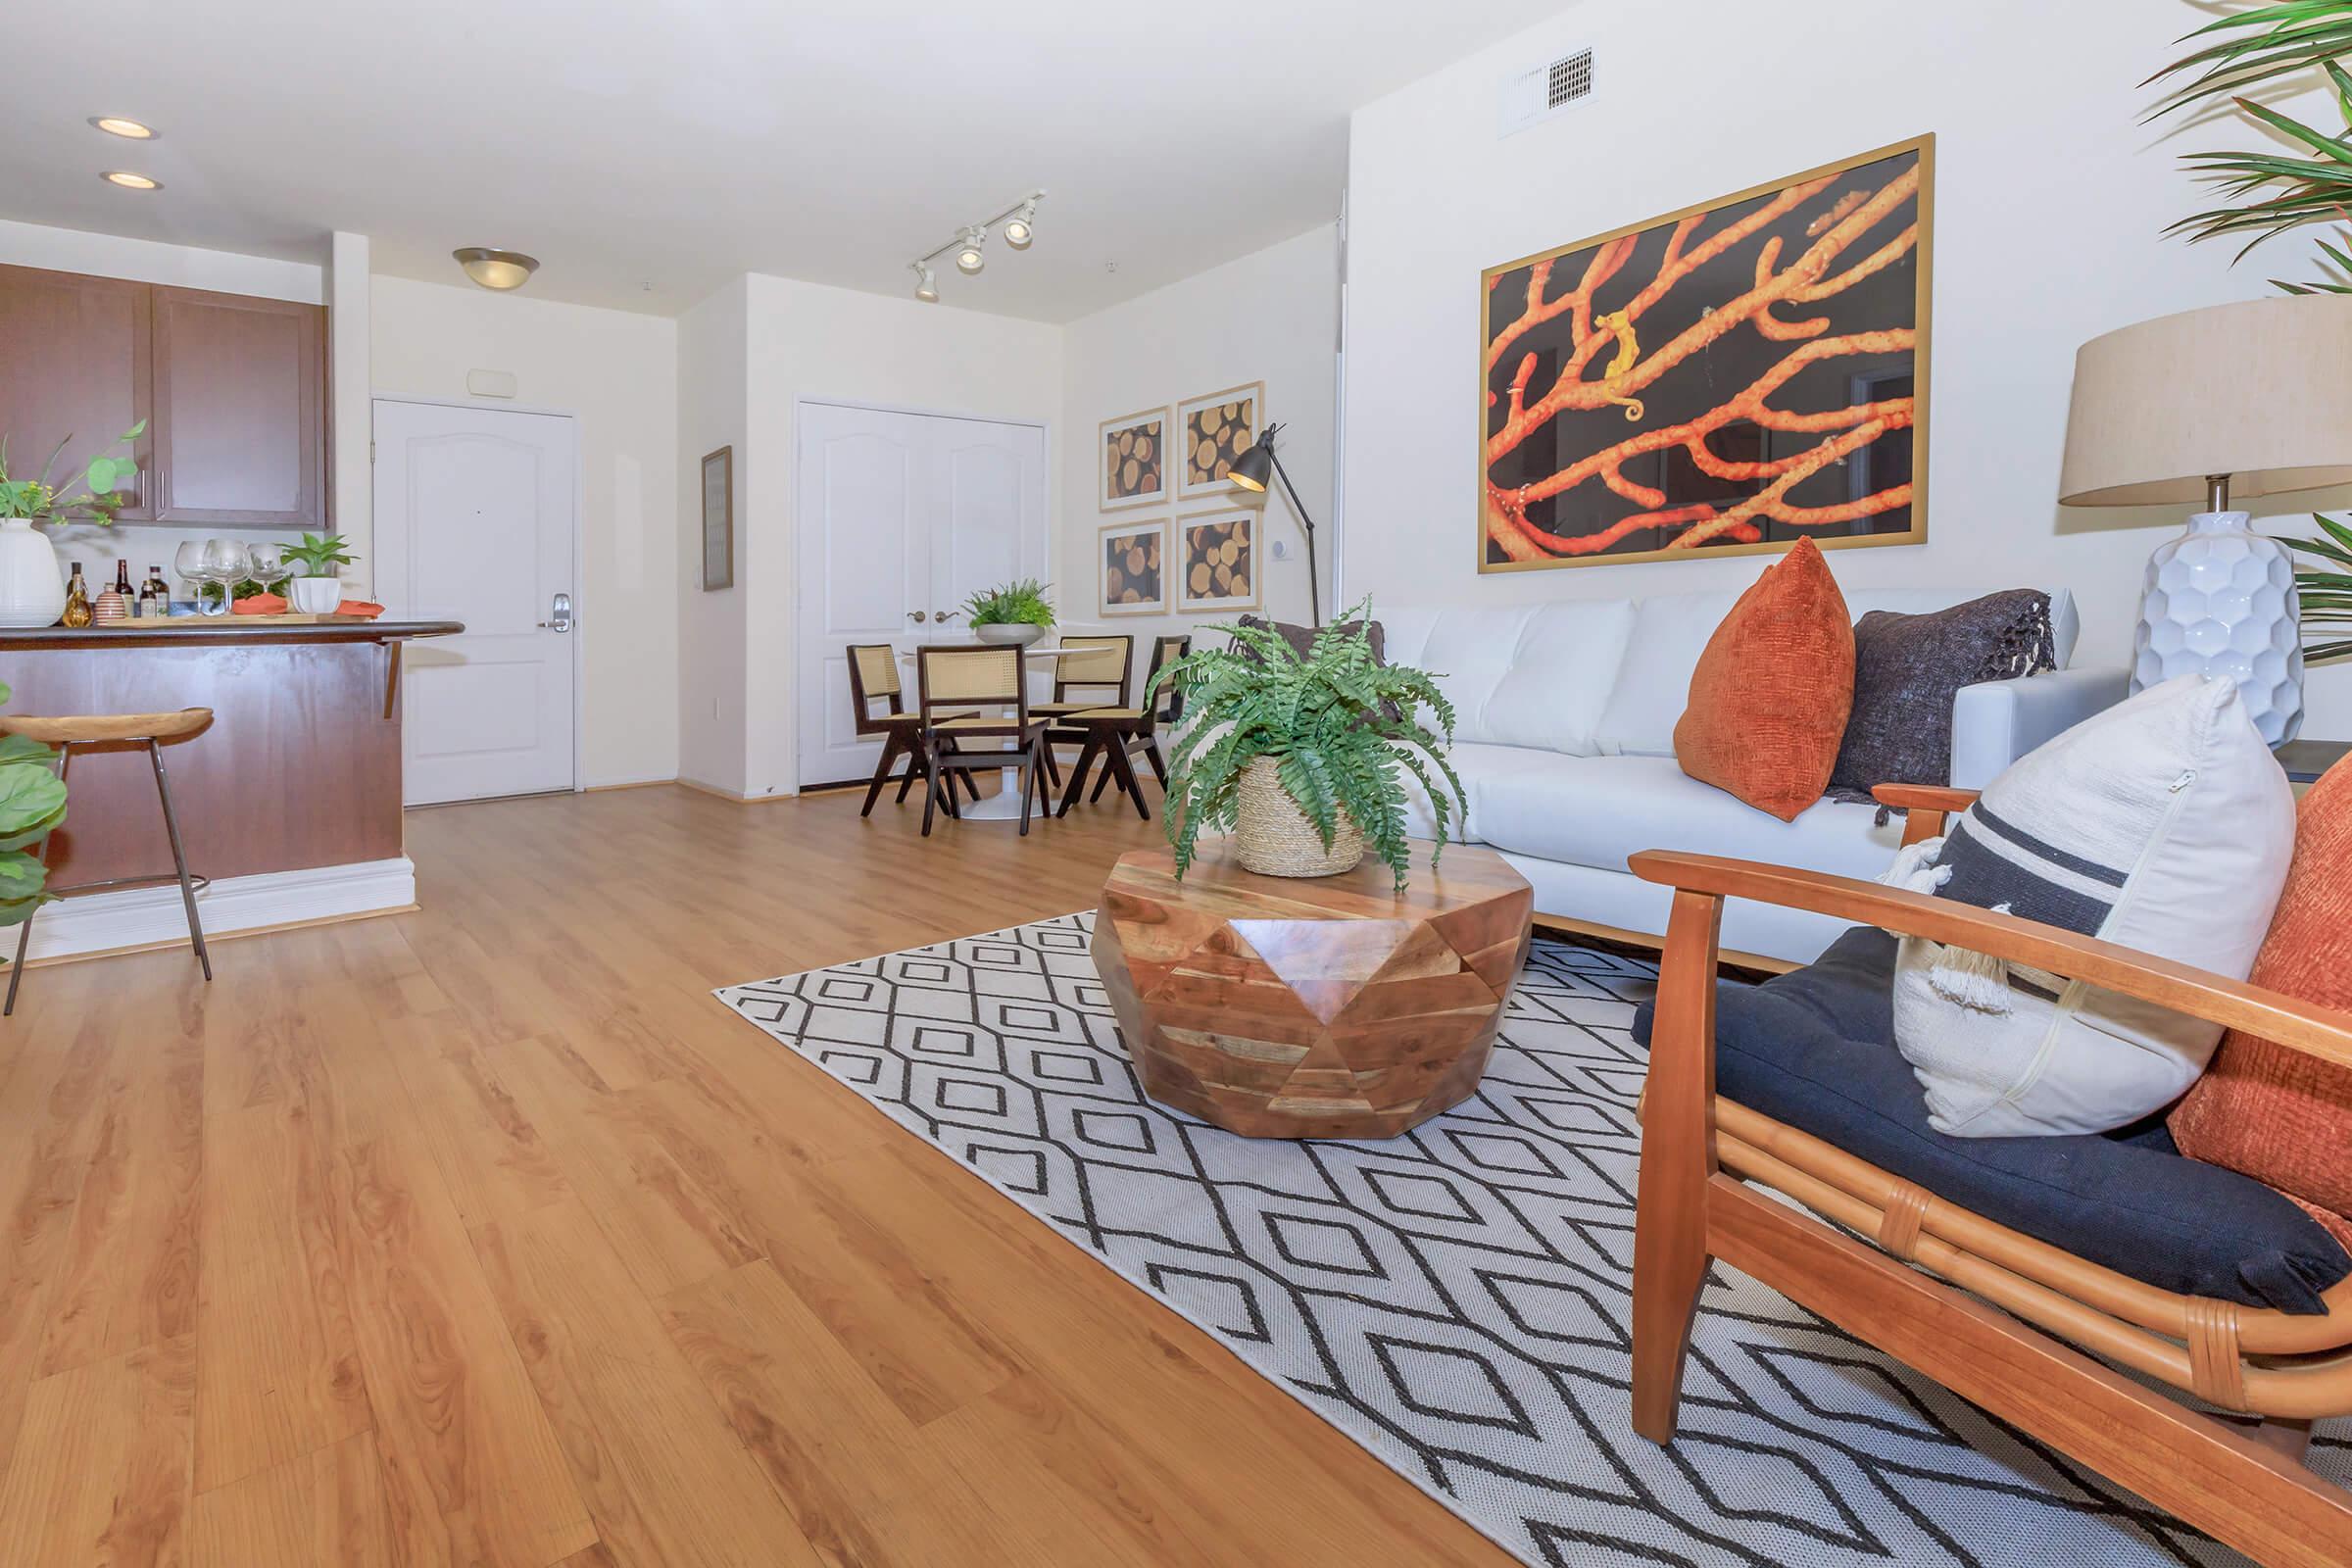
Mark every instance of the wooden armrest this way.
pixel 2321 1032
pixel 1924 797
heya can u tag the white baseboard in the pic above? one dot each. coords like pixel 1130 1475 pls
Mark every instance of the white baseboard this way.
pixel 140 917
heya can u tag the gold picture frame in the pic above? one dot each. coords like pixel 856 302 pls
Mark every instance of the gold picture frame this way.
pixel 1131 469
pixel 1828 259
pixel 1131 560
pixel 1219 551
pixel 718 519
pixel 1211 431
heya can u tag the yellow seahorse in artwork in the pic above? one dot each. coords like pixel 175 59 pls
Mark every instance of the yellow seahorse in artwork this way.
pixel 1628 350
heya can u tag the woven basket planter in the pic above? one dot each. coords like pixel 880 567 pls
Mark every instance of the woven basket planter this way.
pixel 1278 839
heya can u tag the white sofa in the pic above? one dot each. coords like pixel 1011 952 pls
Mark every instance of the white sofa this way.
pixel 1564 741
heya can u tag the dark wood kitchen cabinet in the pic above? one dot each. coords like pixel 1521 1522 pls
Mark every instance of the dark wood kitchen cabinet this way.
pixel 74 367
pixel 233 389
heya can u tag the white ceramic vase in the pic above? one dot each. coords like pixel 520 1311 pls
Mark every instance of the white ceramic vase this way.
pixel 32 592
pixel 315 595
pixel 2221 599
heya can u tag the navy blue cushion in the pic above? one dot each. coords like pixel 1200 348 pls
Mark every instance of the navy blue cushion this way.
pixel 1815 1048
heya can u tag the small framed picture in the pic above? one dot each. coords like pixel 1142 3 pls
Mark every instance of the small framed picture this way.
pixel 1217 562
pixel 1134 468
pixel 1131 559
pixel 718 519
pixel 1214 430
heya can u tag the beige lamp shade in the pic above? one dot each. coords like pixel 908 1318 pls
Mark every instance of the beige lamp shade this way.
pixel 2260 391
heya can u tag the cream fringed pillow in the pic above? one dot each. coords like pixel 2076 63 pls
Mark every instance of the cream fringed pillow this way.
pixel 2163 824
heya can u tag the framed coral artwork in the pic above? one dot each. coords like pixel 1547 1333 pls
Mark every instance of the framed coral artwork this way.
pixel 1134 464
pixel 1217 562
pixel 1131 560
pixel 1211 431
pixel 1725 379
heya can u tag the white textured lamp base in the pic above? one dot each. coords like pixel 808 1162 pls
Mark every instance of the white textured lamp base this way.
pixel 2219 600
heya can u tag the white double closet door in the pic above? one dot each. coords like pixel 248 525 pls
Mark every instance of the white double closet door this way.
pixel 902 516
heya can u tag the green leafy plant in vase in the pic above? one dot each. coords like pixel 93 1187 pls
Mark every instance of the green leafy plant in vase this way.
pixel 1017 613
pixel 32 806
pixel 33 591
pixel 315 589
pixel 1303 757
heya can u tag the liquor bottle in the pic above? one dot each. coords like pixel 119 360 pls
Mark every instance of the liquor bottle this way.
pixel 77 601
pixel 114 605
pixel 144 610
pixel 162 590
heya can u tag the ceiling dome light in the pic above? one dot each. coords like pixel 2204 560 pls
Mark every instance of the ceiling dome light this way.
pixel 926 287
pixel 1018 229
pixel 496 269
pixel 968 259
pixel 117 125
pixel 131 182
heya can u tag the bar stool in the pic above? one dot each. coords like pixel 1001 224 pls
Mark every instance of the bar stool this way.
pixel 108 729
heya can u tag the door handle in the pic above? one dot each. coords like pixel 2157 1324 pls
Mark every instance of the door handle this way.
pixel 918 616
pixel 943 615
pixel 558 615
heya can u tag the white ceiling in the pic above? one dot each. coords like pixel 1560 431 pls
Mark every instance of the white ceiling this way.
pixel 681 143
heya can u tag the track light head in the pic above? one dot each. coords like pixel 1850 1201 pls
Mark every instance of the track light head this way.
pixel 926 286
pixel 968 258
pixel 1019 229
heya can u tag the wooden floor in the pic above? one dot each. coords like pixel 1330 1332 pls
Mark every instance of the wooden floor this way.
pixel 484 1235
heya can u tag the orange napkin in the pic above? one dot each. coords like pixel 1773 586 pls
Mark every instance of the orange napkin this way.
pixel 359 606
pixel 261 605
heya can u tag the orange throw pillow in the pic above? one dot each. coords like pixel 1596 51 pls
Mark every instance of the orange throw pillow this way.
pixel 1770 694
pixel 2269 1112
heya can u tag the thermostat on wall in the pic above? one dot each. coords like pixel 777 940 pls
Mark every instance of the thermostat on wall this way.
pixel 490 383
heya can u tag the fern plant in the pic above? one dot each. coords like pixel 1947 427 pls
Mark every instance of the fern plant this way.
pixel 1340 728
pixel 2326 590
pixel 1016 604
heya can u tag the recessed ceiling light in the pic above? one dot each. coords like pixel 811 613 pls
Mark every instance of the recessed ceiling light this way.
pixel 117 125
pixel 496 269
pixel 131 182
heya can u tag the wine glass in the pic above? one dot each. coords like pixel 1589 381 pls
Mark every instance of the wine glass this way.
pixel 188 563
pixel 225 563
pixel 269 566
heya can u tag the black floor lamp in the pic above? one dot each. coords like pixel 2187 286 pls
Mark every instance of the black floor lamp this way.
pixel 1249 471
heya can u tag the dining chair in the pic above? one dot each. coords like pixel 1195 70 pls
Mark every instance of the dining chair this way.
pixel 1095 663
pixel 1117 734
pixel 951 682
pixel 874 679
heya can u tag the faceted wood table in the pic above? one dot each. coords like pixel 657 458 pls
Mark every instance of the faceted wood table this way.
pixel 1311 1007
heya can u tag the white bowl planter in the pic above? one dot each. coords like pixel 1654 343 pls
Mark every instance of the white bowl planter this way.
pixel 315 595
pixel 32 593
pixel 1018 634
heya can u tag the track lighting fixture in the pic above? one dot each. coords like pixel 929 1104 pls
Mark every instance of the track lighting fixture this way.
pixel 1016 225
pixel 1016 230
pixel 970 259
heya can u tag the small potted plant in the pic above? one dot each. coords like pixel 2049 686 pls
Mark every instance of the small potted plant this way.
pixel 33 805
pixel 315 589
pixel 32 592
pixel 1302 755
pixel 1017 613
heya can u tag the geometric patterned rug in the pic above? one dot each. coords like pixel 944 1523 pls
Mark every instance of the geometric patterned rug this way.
pixel 1457 1300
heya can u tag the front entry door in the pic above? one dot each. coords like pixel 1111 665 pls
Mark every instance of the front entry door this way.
pixel 474 523
pixel 902 516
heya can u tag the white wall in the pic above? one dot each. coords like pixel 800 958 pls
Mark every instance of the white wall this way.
pixel 616 373
pixel 1272 315
pixel 809 340
pixel 2049 202
pixel 712 384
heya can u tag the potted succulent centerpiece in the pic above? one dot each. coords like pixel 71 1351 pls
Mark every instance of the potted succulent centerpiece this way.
pixel 316 590
pixel 1304 755
pixel 1017 613
pixel 32 592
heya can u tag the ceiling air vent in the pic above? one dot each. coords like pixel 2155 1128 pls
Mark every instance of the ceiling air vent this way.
pixel 1542 92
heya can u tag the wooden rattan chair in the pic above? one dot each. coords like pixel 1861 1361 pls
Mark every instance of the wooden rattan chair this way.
pixel 2003 1333
pixel 951 682
pixel 874 679
pixel 1116 734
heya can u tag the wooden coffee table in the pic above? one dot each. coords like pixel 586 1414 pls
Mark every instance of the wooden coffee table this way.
pixel 1311 1007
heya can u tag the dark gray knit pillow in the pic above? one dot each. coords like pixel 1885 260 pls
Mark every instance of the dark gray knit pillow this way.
pixel 1301 638
pixel 1907 670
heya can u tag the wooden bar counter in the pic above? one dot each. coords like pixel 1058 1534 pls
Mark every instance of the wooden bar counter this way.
pixel 299 772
